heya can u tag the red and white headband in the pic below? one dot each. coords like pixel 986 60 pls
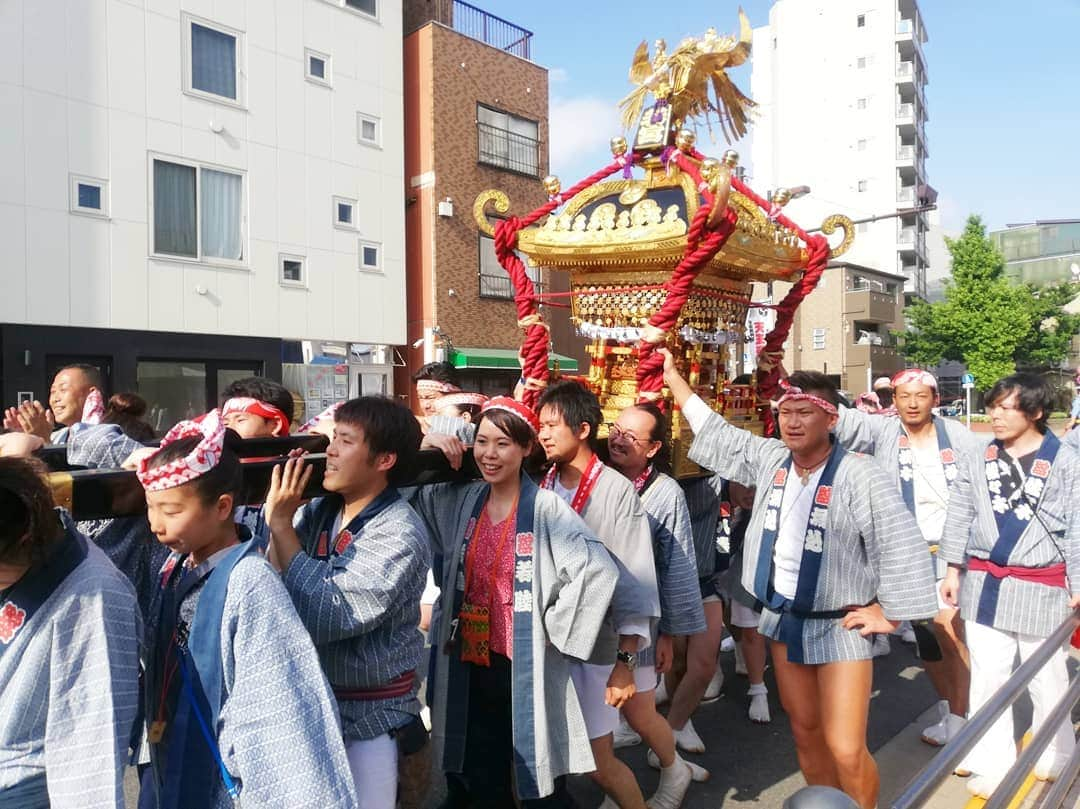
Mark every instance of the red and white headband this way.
pixel 914 376
pixel 257 407
pixel 328 413
pixel 204 457
pixel 513 406
pixel 435 386
pixel 462 399
pixel 93 408
pixel 794 394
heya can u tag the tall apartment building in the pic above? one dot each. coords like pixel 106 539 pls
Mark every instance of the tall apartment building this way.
pixel 842 109
pixel 1046 251
pixel 196 190
pixel 476 118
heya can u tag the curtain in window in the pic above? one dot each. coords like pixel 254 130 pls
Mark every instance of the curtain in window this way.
pixel 220 218
pixel 174 209
pixel 213 61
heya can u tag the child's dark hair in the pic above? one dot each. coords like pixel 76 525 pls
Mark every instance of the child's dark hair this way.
pixel 263 389
pixel 225 478
pixel 662 459
pixel 1033 396
pixel 29 527
pixel 576 404
pixel 388 427
pixel 439 372
pixel 126 410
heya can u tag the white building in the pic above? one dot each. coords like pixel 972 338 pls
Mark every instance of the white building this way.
pixel 840 84
pixel 175 171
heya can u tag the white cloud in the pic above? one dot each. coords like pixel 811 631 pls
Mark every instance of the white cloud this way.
pixel 580 130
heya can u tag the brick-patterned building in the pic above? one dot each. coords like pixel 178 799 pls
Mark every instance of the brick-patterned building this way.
pixel 476 117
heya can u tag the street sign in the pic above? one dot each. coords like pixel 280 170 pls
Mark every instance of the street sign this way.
pixel 967 385
pixel 968 380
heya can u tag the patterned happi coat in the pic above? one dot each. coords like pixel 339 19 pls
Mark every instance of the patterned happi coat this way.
pixel 69 680
pixel 681 612
pixel 1051 536
pixel 564 581
pixel 868 548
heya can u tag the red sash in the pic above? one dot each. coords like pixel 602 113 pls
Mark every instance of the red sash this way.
pixel 1051 575
pixel 398 687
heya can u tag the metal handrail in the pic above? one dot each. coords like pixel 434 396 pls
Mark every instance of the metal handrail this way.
pixel 1055 798
pixel 1018 772
pixel 927 781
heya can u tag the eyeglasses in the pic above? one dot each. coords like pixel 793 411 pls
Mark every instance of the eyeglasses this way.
pixel 623 435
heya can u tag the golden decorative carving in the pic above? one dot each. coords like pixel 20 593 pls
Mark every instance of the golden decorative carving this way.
pixel 62 485
pixel 829 226
pixel 501 204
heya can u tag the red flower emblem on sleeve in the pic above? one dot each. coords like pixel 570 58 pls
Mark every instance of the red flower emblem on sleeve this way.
pixel 823 496
pixel 991 452
pixel 344 540
pixel 780 477
pixel 12 618
pixel 1041 467
pixel 948 456
pixel 323 543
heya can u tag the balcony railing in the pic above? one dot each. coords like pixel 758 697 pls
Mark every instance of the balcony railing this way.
pixel 905 70
pixel 495 31
pixel 508 150
pixel 500 287
pixel 905 151
pixel 905 27
pixel 905 110
pixel 905 236
pixel 906 195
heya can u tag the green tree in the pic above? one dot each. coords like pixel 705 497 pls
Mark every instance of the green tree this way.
pixel 985 321
pixel 1047 343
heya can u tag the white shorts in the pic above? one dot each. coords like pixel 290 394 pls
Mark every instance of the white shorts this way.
pixel 374 766
pixel 710 599
pixel 744 617
pixel 590 681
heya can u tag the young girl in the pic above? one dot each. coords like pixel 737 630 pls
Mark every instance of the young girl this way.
pixel 236 703
pixel 519 566
pixel 69 656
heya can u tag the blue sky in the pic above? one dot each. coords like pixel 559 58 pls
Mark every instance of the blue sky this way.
pixel 1004 91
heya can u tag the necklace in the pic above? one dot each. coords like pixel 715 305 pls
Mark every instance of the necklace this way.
pixel 804 472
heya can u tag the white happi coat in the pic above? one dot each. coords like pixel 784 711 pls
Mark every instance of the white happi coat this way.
pixel 572 579
pixel 873 549
pixel 69 682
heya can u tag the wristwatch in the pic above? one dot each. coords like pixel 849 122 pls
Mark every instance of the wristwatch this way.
pixel 629 659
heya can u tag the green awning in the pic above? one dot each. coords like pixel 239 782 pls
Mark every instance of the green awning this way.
pixel 499 359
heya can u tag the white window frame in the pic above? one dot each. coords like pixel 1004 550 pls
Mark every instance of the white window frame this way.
pixel 817 339
pixel 860 20
pixel 377 267
pixel 361 118
pixel 75 180
pixel 286 282
pixel 862 103
pixel 187 62
pixel 862 185
pixel 377 16
pixel 860 145
pixel 198 258
pixel 860 63
pixel 327 80
pixel 334 213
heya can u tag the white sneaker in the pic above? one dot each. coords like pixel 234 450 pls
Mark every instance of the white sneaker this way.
pixel 1049 771
pixel 661 694
pixel 674 782
pixel 687 739
pixel 740 661
pixel 715 687
pixel 625 736
pixel 983 786
pixel 727 644
pixel 697 772
pixel 943 732
pixel 881 645
pixel 759 704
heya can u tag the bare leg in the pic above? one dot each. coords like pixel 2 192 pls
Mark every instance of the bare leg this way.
pixel 844 694
pixel 799 695
pixel 641 715
pixel 700 666
pixel 753 649
pixel 674 676
pixel 614 777
pixel 955 665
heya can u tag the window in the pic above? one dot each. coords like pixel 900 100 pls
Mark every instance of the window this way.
pixel 291 270
pixel 345 213
pixel 494 280
pixel 507 141
pixel 861 144
pixel 860 62
pixel 370 258
pixel 90 196
pixel 366 6
pixel 862 185
pixel 860 21
pixel 818 339
pixel 368 130
pixel 317 67
pixel 861 103
pixel 214 55
pixel 197 211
